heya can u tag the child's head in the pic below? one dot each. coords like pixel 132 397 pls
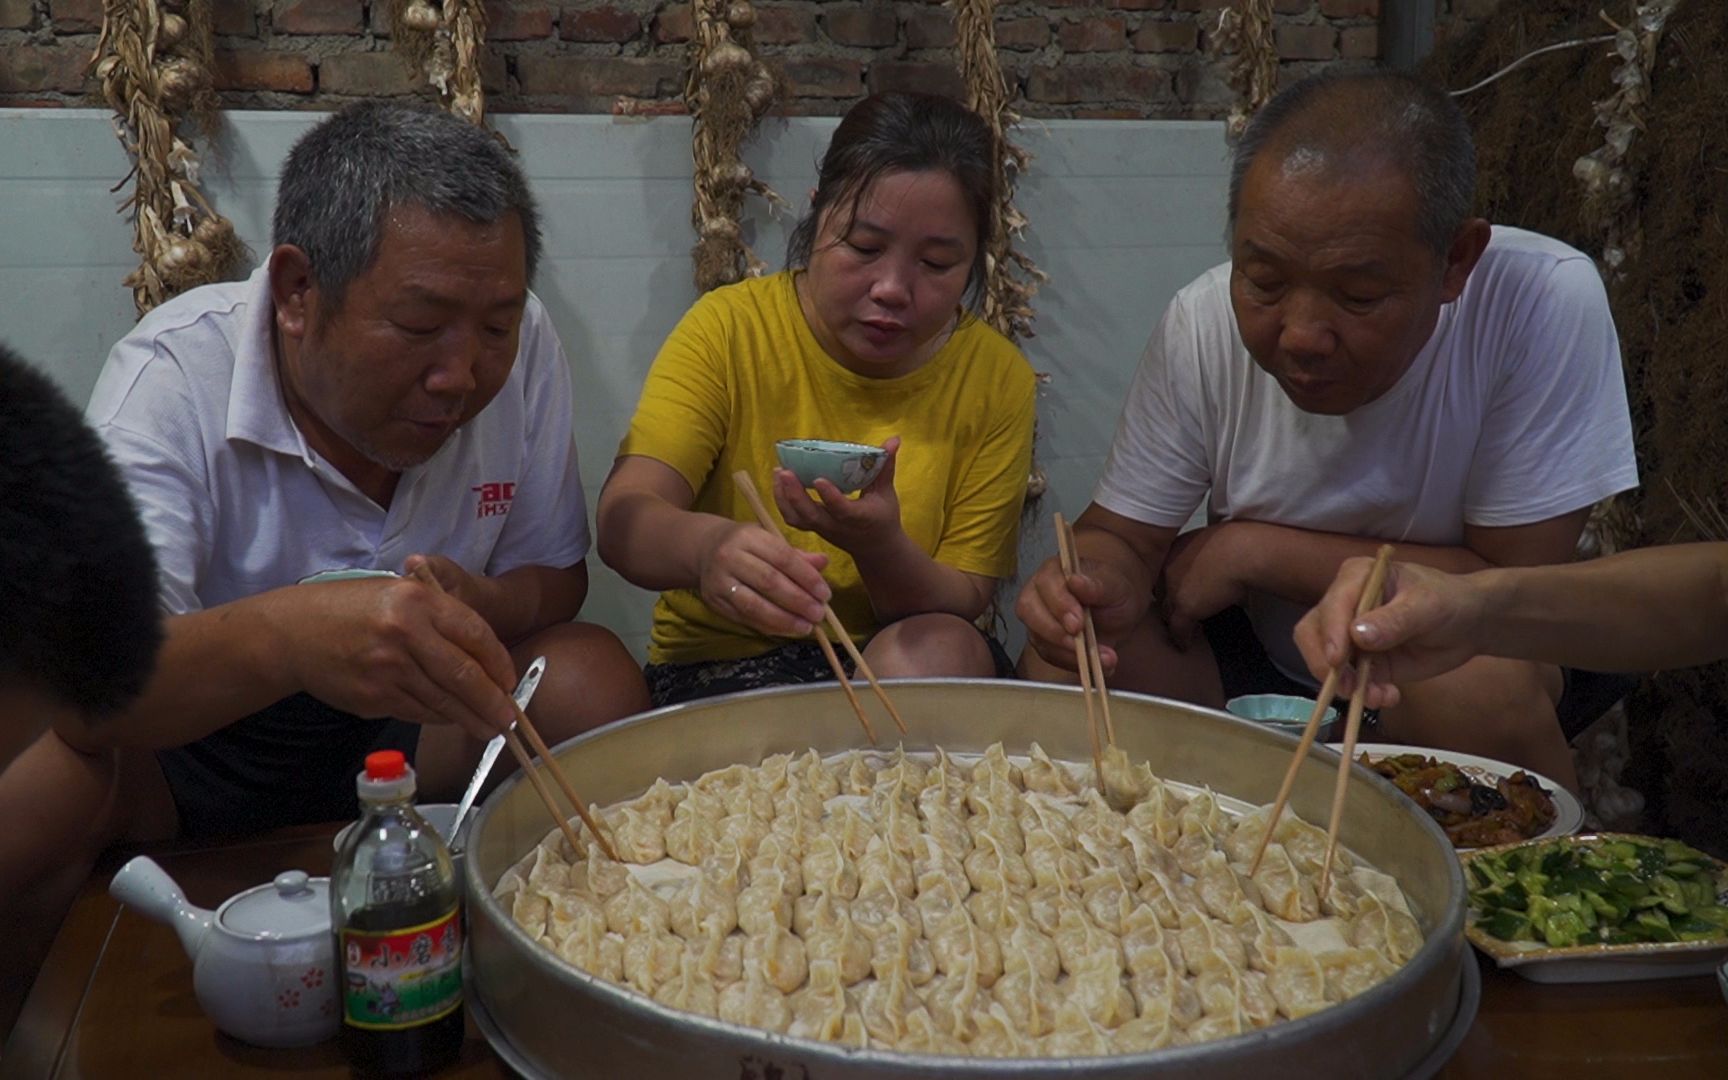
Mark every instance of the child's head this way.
pixel 79 620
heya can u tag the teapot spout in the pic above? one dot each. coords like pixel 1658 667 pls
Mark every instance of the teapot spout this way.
pixel 146 886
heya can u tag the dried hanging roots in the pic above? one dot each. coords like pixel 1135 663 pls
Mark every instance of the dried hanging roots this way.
pixel 153 62
pixel 1608 203
pixel 1011 278
pixel 727 89
pixel 442 42
pixel 1245 30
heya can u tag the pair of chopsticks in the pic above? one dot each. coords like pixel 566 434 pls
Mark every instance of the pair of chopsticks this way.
pixel 754 498
pixel 425 576
pixel 1369 600
pixel 1086 655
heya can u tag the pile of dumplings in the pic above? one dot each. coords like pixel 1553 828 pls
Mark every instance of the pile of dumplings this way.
pixel 998 909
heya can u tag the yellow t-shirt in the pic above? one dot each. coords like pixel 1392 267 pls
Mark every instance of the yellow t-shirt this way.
pixel 742 370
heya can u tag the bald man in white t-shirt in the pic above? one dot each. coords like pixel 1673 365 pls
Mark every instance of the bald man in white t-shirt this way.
pixel 384 394
pixel 1373 365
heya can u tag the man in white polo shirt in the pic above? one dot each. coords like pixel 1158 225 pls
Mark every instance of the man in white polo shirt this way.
pixel 1373 365
pixel 384 393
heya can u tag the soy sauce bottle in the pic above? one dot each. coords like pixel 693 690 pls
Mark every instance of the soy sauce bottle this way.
pixel 396 912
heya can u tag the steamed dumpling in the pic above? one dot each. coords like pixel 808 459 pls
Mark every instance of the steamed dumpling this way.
pixel 1045 776
pixel 755 1002
pixel 1297 982
pixel 1284 891
pixel 1385 930
pixel 779 955
pixel 1125 784
pixel 689 990
pixel 818 1011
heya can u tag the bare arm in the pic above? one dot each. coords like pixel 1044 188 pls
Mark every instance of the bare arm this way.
pixel 1636 611
pixel 1299 564
pixel 649 534
pixel 374 648
pixel 516 603
pixel 901 579
pixel 1216 567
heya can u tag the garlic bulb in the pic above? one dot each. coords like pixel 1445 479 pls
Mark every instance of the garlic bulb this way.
pixel 178 81
pixel 420 18
pixel 740 15
pixel 725 57
pixel 730 174
pixel 720 227
pixel 171 31
pixel 759 93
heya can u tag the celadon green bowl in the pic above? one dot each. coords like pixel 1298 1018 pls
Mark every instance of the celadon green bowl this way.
pixel 847 465
pixel 1281 712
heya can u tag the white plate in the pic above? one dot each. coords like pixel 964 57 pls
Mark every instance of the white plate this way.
pixel 1598 963
pixel 1568 811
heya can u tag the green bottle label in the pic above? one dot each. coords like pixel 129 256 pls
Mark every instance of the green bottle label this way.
pixel 398 979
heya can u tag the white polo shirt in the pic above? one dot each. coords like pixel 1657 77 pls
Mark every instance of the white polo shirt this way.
pixel 1512 413
pixel 236 502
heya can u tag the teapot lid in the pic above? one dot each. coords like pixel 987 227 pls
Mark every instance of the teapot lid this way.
pixel 291 906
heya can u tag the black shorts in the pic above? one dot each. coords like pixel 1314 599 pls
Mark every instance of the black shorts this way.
pixel 1245 668
pixel 292 763
pixel 795 664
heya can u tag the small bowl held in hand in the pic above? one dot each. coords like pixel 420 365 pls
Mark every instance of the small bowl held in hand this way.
pixel 848 466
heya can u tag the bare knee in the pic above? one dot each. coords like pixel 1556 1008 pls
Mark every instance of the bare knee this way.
pixel 1147 663
pixel 591 678
pixel 930 646
pixel 1503 709
pixel 65 805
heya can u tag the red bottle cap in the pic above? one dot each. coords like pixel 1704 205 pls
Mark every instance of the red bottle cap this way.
pixel 386 765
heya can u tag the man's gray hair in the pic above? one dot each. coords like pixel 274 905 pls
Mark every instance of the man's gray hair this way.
pixel 344 176
pixel 1389 115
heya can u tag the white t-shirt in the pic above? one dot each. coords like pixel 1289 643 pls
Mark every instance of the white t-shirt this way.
pixel 236 502
pixel 1513 412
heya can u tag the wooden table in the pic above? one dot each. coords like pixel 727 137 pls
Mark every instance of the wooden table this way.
pixel 115 1000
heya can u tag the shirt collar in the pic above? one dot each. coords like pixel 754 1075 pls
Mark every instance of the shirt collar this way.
pixel 257 412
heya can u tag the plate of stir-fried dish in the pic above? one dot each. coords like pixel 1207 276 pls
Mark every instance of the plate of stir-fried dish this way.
pixel 1478 801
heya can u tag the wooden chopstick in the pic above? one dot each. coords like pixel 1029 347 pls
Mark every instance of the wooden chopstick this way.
pixel 1369 599
pixel 424 575
pixel 1352 727
pixel 862 665
pixel 845 683
pixel 1084 657
pixel 551 762
pixel 1066 530
pixel 764 519
pixel 514 742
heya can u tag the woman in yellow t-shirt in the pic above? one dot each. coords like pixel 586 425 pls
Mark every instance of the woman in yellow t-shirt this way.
pixel 868 339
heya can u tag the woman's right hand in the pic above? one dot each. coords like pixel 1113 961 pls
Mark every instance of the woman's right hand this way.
pixel 754 577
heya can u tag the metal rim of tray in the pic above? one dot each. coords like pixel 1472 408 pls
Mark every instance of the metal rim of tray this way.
pixel 1469 1000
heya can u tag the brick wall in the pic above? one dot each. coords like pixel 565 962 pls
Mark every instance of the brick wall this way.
pixel 1079 58
pixel 1454 17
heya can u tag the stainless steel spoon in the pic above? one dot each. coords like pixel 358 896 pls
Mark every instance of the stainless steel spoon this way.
pixel 524 693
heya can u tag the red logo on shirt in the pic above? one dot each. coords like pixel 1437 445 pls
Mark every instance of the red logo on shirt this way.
pixel 494 498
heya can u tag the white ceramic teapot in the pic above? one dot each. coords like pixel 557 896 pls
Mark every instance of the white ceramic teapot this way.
pixel 263 963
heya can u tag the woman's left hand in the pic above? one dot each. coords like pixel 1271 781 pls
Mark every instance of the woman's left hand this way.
pixel 848 524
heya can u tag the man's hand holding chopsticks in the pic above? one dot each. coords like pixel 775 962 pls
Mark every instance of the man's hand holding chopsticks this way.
pixel 393 647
